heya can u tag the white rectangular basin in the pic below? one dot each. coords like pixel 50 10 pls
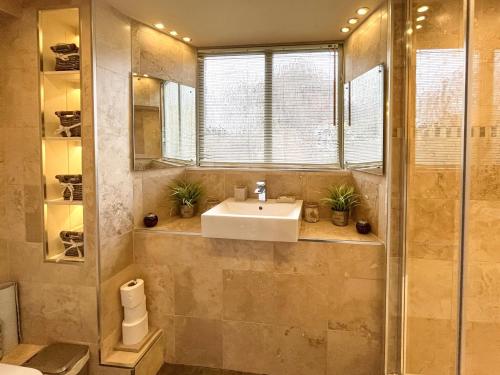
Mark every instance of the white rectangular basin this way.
pixel 253 220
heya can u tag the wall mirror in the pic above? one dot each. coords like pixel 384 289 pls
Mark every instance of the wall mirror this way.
pixel 364 122
pixel 164 123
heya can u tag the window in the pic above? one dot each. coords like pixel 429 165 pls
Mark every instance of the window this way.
pixel 275 107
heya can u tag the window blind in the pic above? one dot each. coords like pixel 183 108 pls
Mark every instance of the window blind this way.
pixel 274 107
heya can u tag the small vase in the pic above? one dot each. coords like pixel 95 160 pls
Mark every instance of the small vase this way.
pixel 363 227
pixel 150 220
pixel 340 218
pixel 187 211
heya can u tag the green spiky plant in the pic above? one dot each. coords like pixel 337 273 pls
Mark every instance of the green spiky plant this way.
pixel 185 193
pixel 341 198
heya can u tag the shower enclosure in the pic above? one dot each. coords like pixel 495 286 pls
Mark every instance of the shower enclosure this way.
pixel 451 261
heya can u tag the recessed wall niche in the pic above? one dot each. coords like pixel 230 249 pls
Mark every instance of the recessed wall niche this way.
pixel 60 116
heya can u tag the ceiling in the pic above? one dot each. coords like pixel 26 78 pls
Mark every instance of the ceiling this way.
pixel 248 22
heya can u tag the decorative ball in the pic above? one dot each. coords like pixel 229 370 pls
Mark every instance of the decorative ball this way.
pixel 363 227
pixel 150 220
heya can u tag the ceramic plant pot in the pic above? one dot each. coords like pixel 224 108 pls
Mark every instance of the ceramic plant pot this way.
pixel 187 211
pixel 340 218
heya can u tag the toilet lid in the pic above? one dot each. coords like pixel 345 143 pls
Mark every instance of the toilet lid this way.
pixel 57 358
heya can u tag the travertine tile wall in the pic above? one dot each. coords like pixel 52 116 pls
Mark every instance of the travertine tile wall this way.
pixel 112 54
pixel 58 301
pixel 267 308
pixel 366 48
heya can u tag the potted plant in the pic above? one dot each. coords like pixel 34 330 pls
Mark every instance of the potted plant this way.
pixel 341 199
pixel 186 196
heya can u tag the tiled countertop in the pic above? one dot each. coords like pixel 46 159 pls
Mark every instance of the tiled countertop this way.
pixel 324 230
pixel 20 354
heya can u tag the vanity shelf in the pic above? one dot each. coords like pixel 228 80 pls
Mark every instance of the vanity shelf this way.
pixel 63 202
pixel 62 139
pixel 60 91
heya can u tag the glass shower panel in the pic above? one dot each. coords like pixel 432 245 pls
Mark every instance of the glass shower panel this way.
pixel 481 326
pixel 435 117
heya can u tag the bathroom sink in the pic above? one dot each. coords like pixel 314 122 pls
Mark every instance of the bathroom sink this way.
pixel 253 220
pixel 17 370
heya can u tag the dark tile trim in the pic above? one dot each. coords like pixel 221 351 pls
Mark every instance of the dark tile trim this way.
pixel 173 369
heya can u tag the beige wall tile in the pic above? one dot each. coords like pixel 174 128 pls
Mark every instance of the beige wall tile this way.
pixel 482 346
pixel 162 56
pixel 356 305
pixel 198 292
pixel 249 296
pixel 301 257
pixel 248 347
pixel 112 39
pixel 116 253
pixel 4 262
pixel 433 221
pixel 302 300
pixel 318 183
pixel 430 288
pixel 241 255
pixel 357 261
pixel 431 346
pixel 354 353
pixel 482 293
pixel 367 45
pixel 368 187
pixel 159 290
pixel 483 236
pixel 299 351
pixel 198 342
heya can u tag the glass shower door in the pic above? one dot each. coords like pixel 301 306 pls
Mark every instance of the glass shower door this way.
pixel 480 354
pixel 435 118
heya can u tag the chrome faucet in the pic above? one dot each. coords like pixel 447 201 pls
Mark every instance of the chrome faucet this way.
pixel 261 190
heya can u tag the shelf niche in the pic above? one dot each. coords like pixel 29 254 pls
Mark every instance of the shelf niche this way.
pixel 60 90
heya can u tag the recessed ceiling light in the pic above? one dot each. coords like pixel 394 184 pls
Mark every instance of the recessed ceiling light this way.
pixel 362 11
pixel 134 74
pixel 422 9
pixel 421 18
pixel 159 26
pixel 345 29
pixel 353 21
pixel 174 33
pixel 186 39
pixel 418 27
pixel 145 75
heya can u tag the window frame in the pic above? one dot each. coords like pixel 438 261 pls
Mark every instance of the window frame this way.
pixel 268 50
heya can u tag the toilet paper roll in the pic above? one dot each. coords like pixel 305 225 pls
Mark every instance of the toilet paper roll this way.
pixel 133 314
pixel 132 293
pixel 135 332
pixel 9 331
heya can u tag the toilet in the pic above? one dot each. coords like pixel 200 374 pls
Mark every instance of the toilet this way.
pixel 58 359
